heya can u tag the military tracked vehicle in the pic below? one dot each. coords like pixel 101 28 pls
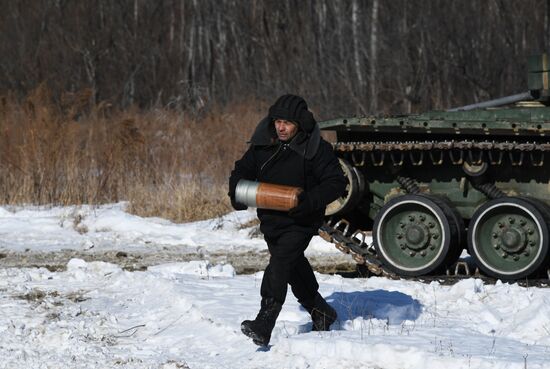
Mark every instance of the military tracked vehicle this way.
pixel 428 186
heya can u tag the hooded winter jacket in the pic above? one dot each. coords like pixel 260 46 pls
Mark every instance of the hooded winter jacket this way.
pixel 305 161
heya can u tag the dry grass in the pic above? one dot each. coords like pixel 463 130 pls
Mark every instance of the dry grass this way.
pixel 164 163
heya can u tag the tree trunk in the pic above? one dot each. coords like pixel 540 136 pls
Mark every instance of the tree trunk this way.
pixel 373 57
pixel 355 35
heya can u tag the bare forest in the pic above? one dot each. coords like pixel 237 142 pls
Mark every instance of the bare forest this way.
pixel 150 102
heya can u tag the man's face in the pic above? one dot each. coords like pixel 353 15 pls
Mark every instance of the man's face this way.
pixel 285 129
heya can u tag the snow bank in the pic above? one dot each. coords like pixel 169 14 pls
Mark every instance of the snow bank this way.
pixel 198 268
pixel 95 315
pixel 110 227
pixel 187 315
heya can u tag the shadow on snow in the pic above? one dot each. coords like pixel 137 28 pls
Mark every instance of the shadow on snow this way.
pixel 392 306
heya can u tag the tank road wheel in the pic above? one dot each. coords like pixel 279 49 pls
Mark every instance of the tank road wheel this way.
pixel 352 195
pixel 416 234
pixel 508 237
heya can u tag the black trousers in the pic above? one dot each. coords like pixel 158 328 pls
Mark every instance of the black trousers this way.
pixel 288 265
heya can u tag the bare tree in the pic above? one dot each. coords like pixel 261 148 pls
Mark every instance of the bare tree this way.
pixel 373 56
pixel 355 15
pixel 346 57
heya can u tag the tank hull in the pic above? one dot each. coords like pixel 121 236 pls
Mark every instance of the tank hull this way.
pixel 463 160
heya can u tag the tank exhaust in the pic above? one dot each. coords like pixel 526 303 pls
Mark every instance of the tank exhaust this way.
pixel 525 96
pixel 537 81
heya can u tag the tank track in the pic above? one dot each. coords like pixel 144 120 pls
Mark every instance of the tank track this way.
pixel 355 244
pixel 459 152
pixel 416 153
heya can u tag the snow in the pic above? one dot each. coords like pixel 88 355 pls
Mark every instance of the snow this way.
pixel 188 314
pixel 109 227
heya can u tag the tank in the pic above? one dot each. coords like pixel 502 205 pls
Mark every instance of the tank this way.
pixel 428 186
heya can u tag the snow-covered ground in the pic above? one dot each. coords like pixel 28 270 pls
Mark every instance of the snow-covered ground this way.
pixel 187 314
pixel 110 227
pixel 42 236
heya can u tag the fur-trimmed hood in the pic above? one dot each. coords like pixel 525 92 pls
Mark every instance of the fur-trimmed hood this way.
pixel 304 143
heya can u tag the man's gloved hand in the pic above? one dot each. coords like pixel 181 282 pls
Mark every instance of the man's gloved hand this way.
pixel 304 207
pixel 236 205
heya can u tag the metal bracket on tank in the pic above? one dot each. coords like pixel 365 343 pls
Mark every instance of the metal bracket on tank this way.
pixel 360 241
pixel 346 228
pixel 499 158
pixel 516 162
pixel 436 161
pixel 460 265
pixel 359 259
pixel 413 159
pixel 539 162
pixel 377 162
pixel 479 158
pixel 357 162
pixel 460 159
pixel 397 163
pixel 342 247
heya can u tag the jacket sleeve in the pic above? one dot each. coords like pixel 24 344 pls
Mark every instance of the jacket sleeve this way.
pixel 245 168
pixel 330 178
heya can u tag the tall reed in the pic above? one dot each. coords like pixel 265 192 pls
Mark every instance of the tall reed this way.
pixel 163 162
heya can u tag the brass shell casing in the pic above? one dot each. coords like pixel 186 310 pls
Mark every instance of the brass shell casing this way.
pixel 267 195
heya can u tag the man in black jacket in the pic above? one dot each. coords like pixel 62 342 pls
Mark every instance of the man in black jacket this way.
pixel 287 149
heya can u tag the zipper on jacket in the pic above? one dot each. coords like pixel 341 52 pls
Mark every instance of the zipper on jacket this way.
pixel 271 157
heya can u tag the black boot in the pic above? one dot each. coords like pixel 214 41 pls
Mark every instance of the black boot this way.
pixel 260 328
pixel 322 314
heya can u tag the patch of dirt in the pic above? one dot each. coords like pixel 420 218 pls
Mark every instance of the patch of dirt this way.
pixel 244 262
pixel 32 296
